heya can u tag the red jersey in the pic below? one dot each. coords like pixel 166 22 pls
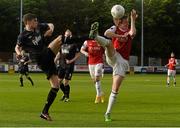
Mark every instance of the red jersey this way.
pixel 122 45
pixel 172 63
pixel 95 52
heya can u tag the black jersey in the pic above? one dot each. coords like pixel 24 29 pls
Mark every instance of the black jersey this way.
pixel 68 50
pixel 33 41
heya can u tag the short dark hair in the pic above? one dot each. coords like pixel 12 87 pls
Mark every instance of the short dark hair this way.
pixel 28 17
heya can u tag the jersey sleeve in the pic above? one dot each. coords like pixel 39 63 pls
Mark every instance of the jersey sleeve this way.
pixel 20 40
pixel 84 46
pixel 43 27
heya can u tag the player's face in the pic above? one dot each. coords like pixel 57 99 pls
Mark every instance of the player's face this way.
pixel 68 33
pixel 116 21
pixel 125 23
pixel 33 23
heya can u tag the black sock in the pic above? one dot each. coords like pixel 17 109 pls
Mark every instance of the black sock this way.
pixel 62 87
pixel 29 78
pixel 51 96
pixel 21 81
pixel 67 90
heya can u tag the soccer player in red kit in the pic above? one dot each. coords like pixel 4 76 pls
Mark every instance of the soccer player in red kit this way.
pixel 95 52
pixel 171 69
pixel 117 51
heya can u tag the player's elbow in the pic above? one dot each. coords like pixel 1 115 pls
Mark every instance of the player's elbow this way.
pixel 17 48
pixel 132 33
pixel 82 50
pixel 51 26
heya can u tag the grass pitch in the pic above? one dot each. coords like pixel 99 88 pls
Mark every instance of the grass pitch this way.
pixel 143 101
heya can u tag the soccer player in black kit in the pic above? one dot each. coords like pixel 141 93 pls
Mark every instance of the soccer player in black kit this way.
pixel 23 68
pixel 32 41
pixel 66 57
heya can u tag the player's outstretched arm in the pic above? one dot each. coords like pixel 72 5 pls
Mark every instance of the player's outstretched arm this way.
pixel 167 65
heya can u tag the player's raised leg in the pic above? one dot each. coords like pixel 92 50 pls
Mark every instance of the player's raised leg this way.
pixel 94 35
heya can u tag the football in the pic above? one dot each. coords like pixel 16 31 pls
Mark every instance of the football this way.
pixel 117 11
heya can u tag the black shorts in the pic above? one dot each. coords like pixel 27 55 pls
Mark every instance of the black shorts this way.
pixel 66 72
pixel 23 70
pixel 46 63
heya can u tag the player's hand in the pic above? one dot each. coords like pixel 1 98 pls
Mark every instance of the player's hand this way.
pixel 18 57
pixel 68 61
pixel 124 35
pixel 48 33
pixel 86 54
pixel 134 14
pixel 59 38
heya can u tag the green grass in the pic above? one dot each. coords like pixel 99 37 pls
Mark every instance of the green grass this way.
pixel 143 100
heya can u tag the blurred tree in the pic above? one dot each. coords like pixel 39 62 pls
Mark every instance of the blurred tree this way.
pixel 161 21
pixel 9 23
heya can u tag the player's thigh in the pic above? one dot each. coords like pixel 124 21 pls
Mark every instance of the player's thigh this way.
pixel 111 60
pixel 69 72
pixel 92 71
pixel 121 65
pixel 46 63
pixel 27 74
pixel 109 50
pixel 26 71
pixel 169 72
pixel 61 73
pixel 98 69
pixel 46 60
pixel 54 81
pixel 55 45
pixel 173 73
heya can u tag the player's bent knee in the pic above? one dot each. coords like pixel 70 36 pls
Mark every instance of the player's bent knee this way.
pixel 54 81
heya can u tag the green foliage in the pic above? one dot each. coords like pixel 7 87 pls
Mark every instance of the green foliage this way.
pixel 161 20
pixel 160 25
